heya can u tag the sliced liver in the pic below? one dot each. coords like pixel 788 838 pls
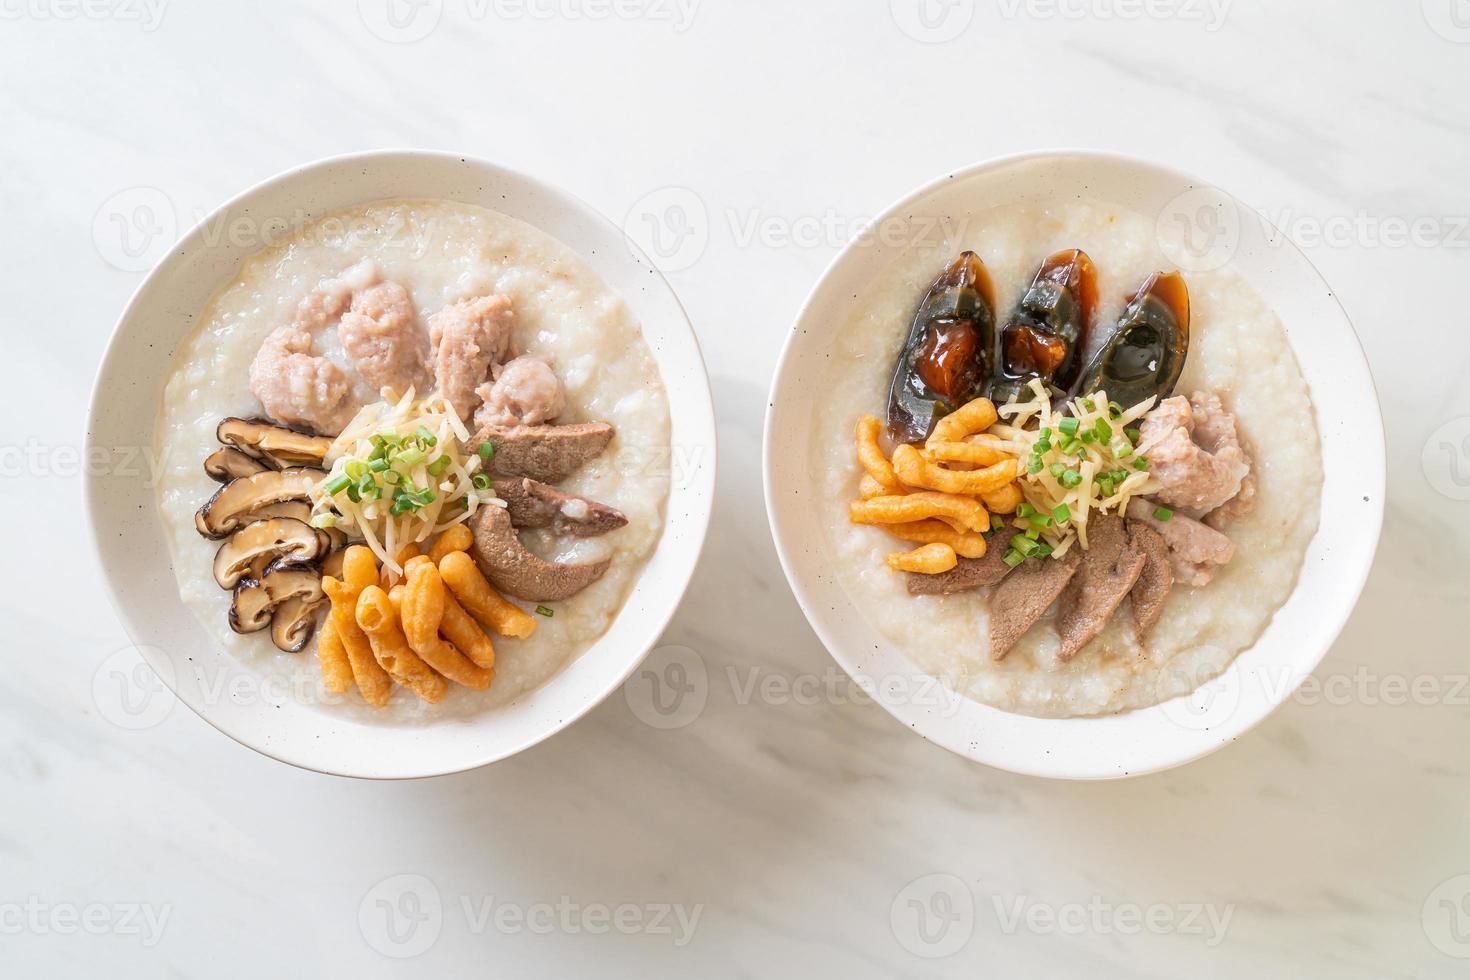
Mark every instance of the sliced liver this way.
pixel 548 453
pixel 1110 568
pixel 533 504
pixel 970 573
pixel 1154 582
pixel 1024 596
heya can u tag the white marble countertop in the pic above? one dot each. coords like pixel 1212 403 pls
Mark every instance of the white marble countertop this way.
pixel 769 836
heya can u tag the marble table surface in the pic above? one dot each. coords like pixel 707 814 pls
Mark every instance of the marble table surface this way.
pixel 774 834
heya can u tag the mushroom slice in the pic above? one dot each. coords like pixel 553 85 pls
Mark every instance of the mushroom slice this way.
pixel 293 623
pixel 251 607
pixel 513 569
pixel 259 602
pixel 274 443
pixel 229 463
pixel 283 537
pixel 234 503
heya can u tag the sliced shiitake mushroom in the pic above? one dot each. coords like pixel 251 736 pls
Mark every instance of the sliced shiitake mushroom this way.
pixel 293 623
pixel 276 444
pixel 229 463
pixel 283 537
pixel 233 503
pixel 262 601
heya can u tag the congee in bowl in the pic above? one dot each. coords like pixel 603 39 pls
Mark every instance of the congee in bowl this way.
pixel 413 459
pixel 1056 472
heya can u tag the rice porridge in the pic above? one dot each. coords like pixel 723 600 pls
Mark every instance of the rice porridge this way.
pixel 1237 350
pixel 442 253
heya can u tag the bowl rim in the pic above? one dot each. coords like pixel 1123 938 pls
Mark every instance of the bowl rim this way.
pixel 1353 580
pixel 696 521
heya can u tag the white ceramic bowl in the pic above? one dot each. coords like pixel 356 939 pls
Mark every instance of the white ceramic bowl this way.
pixel 129 537
pixel 1200 227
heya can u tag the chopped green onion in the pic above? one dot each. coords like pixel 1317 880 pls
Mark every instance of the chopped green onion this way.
pixel 410 457
pixel 1115 409
pixel 426 437
pixel 1044 434
pixel 1062 513
pixel 1103 430
pixel 392 478
pixel 1033 534
pixel 402 505
pixel 1162 513
pixel 1013 558
pixel 997 523
pixel 1057 469
pixel 487 451
pixel 356 469
pixel 1024 544
pixel 354 494
pixel 337 484
pixel 1040 520
pixel 438 466
pixel 1068 426
pixel 1141 463
pixel 1071 479
pixel 1024 509
pixel 481 481
pixel 324 520
pixel 546 611
pixel 1088 437
pixel 1133 435
pixel 1043 549
pixel 1088 405
pixel 1035 464
pixel 378 465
